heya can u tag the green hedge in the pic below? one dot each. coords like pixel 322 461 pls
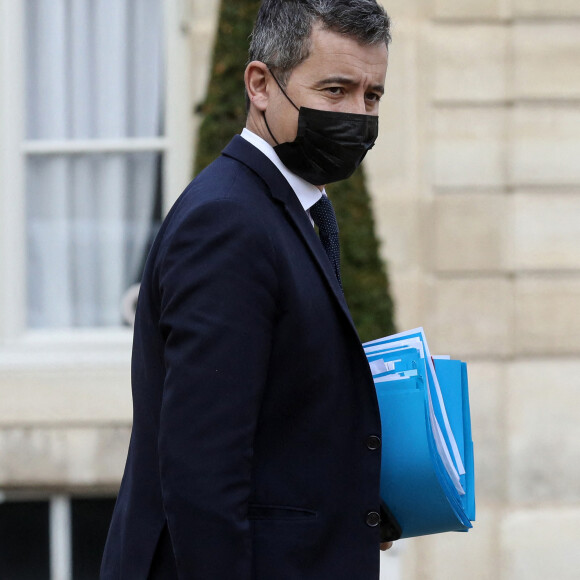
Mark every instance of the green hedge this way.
pixel 224 114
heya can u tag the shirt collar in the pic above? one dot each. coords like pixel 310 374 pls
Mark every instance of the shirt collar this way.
pixel 306 193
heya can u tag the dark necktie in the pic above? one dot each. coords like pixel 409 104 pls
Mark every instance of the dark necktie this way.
pixel 324 217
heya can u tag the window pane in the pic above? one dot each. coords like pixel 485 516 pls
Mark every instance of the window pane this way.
pixel 91 219
pixel 94 71
pixel 90 524
pixel 24 544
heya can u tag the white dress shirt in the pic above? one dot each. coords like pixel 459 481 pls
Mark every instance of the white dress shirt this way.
pixel 306 193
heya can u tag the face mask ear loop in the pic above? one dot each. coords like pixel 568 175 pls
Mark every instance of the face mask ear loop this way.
pixel 269 130
pixel 289 99
pixel 283 91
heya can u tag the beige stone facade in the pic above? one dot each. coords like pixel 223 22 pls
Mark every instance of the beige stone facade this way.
pixel 476 184
pixel 476 190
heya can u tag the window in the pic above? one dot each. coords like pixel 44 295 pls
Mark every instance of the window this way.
pixel 90 520
pixel 24 541
pixel 60 537
pixel 96 142
pixel 96 135
pixel 94 119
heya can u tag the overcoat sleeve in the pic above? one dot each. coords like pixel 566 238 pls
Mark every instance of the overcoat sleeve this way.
pixel 218 286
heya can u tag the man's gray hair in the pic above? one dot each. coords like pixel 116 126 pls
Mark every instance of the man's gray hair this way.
pixel 281 36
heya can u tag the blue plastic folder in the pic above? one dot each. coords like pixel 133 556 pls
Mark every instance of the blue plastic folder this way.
pixel 427 453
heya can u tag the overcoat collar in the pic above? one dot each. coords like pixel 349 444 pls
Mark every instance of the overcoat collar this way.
pixel 280 190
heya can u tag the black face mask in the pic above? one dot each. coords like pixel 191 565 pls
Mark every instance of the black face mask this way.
pixel 329 145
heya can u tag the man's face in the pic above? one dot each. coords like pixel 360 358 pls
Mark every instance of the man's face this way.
pixel 339 75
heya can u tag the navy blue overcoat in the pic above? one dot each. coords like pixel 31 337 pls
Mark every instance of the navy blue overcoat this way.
pixel 254 451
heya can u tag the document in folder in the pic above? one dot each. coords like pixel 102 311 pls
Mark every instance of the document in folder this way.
pixel 427 452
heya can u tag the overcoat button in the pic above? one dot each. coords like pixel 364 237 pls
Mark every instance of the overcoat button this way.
pixel 373 519
pixel 373 442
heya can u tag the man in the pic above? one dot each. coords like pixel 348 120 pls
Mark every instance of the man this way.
pixel 255 451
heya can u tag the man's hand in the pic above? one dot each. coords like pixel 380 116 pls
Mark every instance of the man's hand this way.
pixel 386 545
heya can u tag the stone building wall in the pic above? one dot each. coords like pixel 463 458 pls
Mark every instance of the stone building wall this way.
pixel 476 183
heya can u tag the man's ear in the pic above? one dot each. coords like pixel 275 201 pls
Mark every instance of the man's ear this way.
pixel 256 79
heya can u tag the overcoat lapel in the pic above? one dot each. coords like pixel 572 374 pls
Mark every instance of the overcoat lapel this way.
pixel 281 191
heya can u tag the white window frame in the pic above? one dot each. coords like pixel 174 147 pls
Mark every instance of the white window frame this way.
pixel 55 347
